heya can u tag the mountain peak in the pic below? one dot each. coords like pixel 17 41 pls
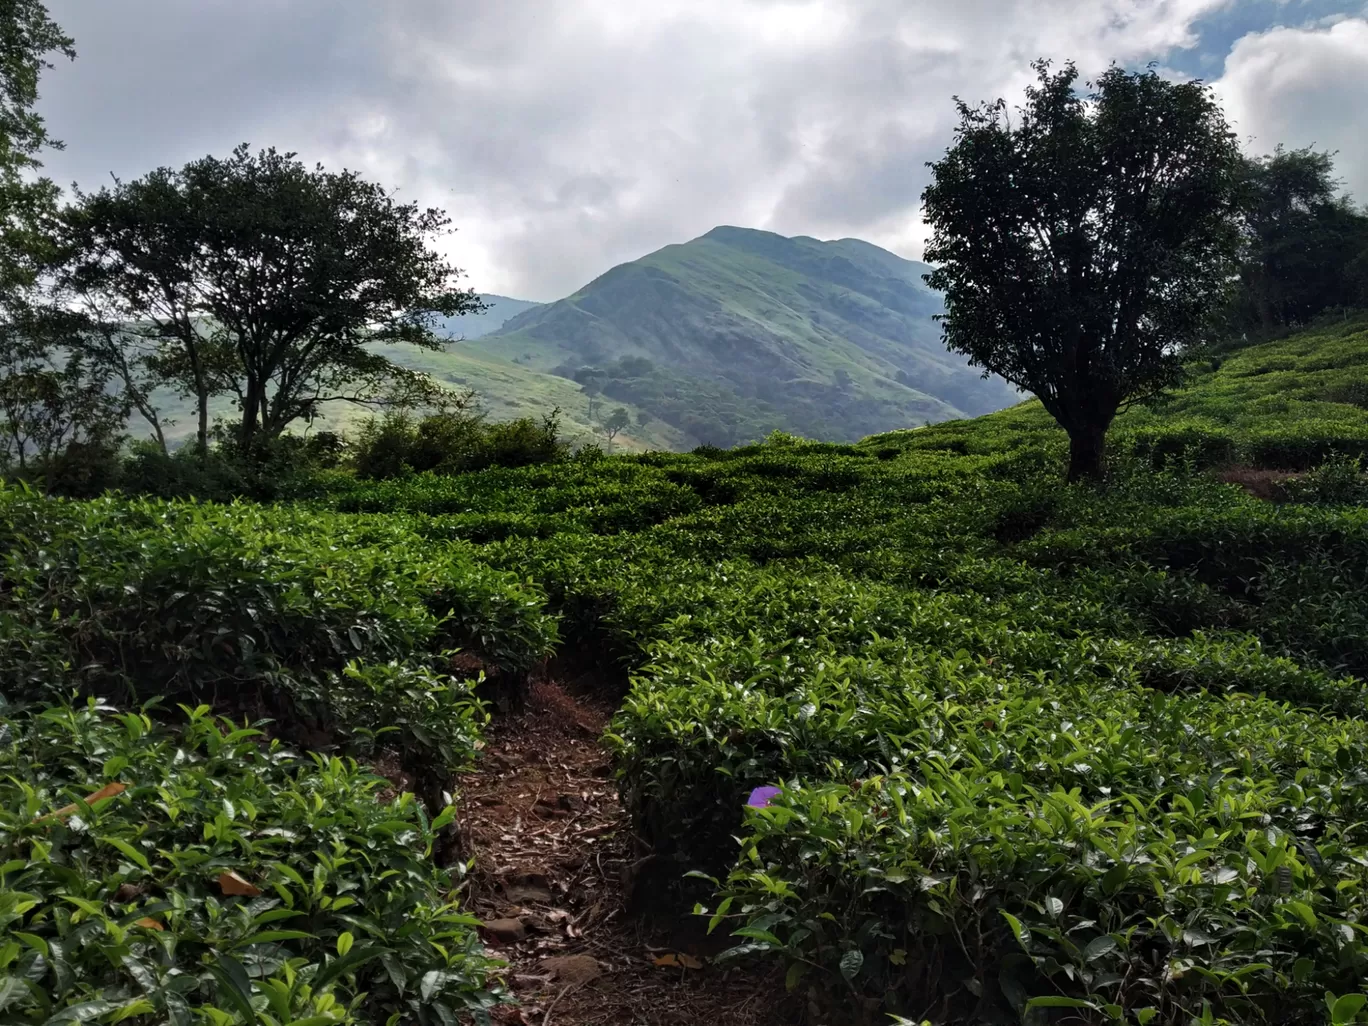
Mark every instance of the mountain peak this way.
pixel 730 232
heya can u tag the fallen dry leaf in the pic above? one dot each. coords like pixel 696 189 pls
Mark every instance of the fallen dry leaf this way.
pixel 149 924
pixel 679 959
pixel 230 883
pixel 108 791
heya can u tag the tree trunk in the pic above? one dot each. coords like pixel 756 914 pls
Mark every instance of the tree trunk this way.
pixel 191 342
pixel 1087 451
pixel 254 413
pixel 202 431
pixel 155 421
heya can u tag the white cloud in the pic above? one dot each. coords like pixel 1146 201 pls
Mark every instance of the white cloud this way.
pixel 565 137
pixel 1304 86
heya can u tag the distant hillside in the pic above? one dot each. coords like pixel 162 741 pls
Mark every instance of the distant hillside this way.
pixel 506 392
pixel 739 332
pixel 501 310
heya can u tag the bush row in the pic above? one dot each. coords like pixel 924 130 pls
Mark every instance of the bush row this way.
pixel 334 626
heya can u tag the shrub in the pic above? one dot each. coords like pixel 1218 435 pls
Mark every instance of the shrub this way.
pixel 82 470
pixel 521 442
pixel 384 447
pixel 206 873
pixel 183 473
pixel 453 443
pixel 1339 480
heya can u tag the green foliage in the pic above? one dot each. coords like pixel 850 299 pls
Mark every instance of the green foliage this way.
pixel 116 909
pixel 1287 404
pixel 282 612
pixel 183 473
pixel 1082 246
pixel 453 442
pixel 27 201
pixel 986 694
pixel 1090 753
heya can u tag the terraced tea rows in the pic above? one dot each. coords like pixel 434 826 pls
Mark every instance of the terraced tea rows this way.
pixel 1073 755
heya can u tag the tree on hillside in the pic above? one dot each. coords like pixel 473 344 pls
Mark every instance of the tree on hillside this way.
pixel 260 277
pixel 591 381
pixel 617 420
pixel 1083 248
pixel 1304 242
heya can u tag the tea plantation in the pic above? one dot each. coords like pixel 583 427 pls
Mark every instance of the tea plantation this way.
pixel 1062 754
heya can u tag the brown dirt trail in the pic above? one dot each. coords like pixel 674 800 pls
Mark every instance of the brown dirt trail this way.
pixel 555 864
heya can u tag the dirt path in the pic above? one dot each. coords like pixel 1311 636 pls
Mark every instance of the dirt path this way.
pixel 554 867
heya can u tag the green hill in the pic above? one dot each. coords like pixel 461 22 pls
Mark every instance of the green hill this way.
pixel 739 332
pixel 506 392
pixel 721 340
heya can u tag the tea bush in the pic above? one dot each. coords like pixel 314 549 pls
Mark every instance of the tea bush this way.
pixel 270 611
pixel 202 874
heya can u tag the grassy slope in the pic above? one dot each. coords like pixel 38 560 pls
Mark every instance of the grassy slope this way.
pixel 778 319
pixel 507 391
pixel 1281 403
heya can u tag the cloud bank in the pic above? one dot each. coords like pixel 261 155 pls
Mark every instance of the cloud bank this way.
pixel 564 138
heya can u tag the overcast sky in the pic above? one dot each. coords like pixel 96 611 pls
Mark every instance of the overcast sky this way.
pixel 565 136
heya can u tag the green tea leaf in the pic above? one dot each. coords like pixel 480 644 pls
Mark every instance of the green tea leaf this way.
pixel 851 963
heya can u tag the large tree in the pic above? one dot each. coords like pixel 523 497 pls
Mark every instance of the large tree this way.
pixel 28 37
pixel 1304 242
pixel 1084 245
pixel 269 280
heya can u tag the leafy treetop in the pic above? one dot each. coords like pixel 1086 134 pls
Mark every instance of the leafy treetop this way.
pixel 268 279
pixel 1082 249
